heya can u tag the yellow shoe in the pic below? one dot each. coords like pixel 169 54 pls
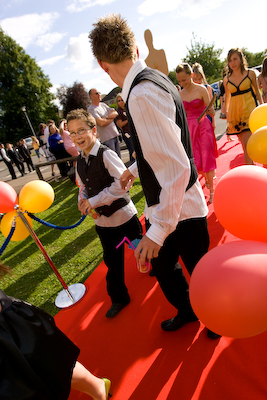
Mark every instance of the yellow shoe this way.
pixel 107 386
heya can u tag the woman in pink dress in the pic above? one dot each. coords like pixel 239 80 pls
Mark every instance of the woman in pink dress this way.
pixel 68 143
pixel 195 99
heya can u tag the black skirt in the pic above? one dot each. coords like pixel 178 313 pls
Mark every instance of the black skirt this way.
pixel 36 358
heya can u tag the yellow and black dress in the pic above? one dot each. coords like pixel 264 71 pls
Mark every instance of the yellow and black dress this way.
pixel 242 103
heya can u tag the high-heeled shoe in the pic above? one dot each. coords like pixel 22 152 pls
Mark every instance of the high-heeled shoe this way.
pixel 107 387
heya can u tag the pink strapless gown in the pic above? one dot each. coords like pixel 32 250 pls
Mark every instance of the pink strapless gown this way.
pixel 202 136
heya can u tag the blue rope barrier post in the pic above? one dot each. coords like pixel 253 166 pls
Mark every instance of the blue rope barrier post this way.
pixel 13 226
pixel 70 295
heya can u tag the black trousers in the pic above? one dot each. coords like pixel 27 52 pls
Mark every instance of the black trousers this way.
pixel 20 166
pixel 10 168
pixel 29 163
pixel 60 153
pixel 114 258
pixel 190 240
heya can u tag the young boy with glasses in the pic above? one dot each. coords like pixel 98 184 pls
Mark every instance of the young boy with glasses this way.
pixel 98 172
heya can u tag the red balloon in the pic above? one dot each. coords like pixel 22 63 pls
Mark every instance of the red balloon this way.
pixel 228 289
pixel 8 197
pixel 240 201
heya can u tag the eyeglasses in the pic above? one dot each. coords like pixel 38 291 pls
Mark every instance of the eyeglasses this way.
pixel 97 93
pixel 79 132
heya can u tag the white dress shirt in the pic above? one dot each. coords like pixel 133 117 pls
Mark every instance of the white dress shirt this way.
pixel 115 167
pixel 153 113
pixel 4 155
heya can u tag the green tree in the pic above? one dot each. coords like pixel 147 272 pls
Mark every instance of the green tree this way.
pixel 72 97
pixel 206 55
pixel 254 59
pixel 172 76
pixel 22 83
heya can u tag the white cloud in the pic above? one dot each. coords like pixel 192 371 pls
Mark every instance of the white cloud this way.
pixel 32 29
pixel 150 7
pixel 196 9
pixel 50 61
pixel 79 53
pixel 192 8
pixel 48 40
pixel 80 5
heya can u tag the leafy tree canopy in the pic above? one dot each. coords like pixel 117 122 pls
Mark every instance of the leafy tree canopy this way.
pixel 206 55
pixel 209 58
pixel 22 83
pixel 254 59
pixel 72 97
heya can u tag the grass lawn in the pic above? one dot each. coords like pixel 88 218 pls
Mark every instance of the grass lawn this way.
pixel 75 252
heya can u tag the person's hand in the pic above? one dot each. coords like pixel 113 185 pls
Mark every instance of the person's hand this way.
pixel 125 178
pixel 84 206
pixel 146 250
pixel 210 111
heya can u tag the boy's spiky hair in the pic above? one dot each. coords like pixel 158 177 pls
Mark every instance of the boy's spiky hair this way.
pixel 112 40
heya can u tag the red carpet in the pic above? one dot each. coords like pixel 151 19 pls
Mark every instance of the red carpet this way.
pixel 146 363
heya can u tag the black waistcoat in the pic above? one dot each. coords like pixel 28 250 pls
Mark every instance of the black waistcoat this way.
pixel 96 177
pixel 148 179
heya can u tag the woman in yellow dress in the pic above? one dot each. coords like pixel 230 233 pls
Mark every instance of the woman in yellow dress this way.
pixel 241 95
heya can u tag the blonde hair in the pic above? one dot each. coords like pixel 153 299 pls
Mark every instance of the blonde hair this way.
pixel 184 67
pixel 83 115
pixel 198 69
pixel 34 139
pixel 243 65
pixel 54 126
pixel 112 40
pixel 118 95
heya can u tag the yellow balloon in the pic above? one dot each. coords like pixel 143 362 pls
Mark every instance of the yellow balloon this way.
pixel 21 232
pixel 258 117
pixel 36 196
pixel 257 146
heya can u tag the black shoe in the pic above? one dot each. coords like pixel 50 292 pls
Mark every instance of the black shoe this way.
pixel 213 335
pixel 176 323
pixel 115 309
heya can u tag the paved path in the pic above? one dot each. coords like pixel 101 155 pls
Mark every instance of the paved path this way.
pixel 18 183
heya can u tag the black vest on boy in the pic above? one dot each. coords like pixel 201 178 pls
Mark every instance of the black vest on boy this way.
pixel 96 177
pixel 148 179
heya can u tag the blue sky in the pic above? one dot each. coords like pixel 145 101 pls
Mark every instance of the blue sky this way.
pixel 55 32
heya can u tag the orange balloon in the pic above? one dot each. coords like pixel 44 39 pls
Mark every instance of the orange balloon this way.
pixel 8 197
pixel 240 199
pixel 21 232
pixel 36 196
pixel 228 289
pixel 257 146
pixel 258 117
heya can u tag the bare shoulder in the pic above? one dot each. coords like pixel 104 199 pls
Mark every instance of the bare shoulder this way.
pixel 251 73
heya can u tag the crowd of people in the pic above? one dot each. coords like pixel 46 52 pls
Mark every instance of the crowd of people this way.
pixel 168 153
pixel 16 156
pixel 54 143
